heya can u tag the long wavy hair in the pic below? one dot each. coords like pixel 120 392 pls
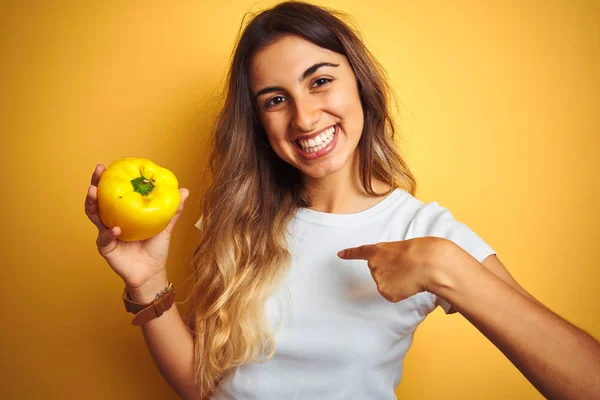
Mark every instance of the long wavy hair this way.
pixel 242 255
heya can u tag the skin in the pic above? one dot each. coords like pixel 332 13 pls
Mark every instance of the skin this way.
pixel 302 108
pixel 559 359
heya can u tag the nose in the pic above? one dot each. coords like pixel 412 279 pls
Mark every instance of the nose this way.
pixel 306 114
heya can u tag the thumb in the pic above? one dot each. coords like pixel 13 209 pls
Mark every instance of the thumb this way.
pixel 184 194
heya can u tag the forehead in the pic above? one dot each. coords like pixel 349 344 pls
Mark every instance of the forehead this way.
pixel 285 59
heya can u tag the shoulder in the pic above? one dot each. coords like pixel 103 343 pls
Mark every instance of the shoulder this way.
pixel 413 207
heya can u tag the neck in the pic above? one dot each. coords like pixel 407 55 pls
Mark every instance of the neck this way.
pixel 342 192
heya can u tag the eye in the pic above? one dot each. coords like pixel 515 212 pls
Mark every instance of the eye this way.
pixel 269 103
pixel 327 80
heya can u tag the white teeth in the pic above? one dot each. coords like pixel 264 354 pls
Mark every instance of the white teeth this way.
pixel 317 143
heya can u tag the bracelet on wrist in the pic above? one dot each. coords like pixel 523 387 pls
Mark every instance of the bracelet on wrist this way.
pixel 146 312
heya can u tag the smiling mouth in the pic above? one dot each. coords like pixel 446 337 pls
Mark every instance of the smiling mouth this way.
pixel 318 142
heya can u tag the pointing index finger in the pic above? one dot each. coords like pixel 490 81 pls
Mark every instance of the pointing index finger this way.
pixel 363 252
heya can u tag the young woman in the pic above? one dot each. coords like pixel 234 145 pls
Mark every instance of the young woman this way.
pixel 304 166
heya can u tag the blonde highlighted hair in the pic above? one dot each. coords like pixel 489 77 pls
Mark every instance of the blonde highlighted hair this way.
pixel 242 255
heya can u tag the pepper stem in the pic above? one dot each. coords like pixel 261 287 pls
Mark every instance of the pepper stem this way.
pixel 142 185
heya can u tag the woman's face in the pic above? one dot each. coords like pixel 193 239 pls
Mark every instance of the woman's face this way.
pixel 308 103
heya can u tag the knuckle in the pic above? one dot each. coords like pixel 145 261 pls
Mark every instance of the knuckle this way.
pixel 376 279
pixel 382 290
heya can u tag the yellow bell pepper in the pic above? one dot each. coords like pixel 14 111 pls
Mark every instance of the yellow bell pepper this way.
pixel 138 196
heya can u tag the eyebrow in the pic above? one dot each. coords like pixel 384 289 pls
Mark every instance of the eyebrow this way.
pixel 309 71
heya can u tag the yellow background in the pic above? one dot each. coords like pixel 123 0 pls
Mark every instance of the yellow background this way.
pixel 499 108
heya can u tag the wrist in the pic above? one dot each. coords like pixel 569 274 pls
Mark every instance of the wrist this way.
pixel 147 292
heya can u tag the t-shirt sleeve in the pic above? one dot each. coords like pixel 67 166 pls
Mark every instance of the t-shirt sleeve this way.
pixel 434 220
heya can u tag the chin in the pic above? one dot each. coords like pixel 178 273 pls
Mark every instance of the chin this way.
pixel 321 171
pixel 316 169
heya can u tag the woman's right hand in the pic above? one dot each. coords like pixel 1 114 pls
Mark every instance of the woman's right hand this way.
pixel 137 262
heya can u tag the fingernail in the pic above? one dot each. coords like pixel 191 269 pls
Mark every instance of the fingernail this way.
pixel 340 253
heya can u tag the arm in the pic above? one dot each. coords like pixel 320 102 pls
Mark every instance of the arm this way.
pixel 170 342
pixel 559 359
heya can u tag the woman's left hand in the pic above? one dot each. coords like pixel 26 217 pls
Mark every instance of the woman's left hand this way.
pixel 404 268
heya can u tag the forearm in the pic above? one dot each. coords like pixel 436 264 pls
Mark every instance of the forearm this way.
pixel 170 342
pixel 559 359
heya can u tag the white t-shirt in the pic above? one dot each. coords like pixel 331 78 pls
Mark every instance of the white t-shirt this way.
pixel 337 337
